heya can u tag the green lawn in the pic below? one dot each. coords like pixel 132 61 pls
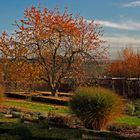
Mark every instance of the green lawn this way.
pixel 7 120
pixel 45 108
pixel 130 120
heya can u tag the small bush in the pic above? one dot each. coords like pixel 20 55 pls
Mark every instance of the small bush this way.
pixel 96 107
pixel 130 109
pixel 137 108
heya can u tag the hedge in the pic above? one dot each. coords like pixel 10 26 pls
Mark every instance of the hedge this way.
pixel 39 96
pixel 51 100
pixel 16 95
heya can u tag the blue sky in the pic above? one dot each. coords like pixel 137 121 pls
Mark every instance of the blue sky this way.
pixel 120 18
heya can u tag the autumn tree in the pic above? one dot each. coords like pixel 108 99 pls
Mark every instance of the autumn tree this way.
pixel 128 65
pixel 59 42
pixel 2 87
pixel 16 69
pixel 23 74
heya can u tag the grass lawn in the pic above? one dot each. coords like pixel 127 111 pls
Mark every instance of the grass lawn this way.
pixel 45 108
pixel 7 120
pixel 40 107
pixel 130 120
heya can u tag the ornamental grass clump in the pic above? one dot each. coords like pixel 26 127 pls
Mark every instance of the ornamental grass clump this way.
pixel 96 107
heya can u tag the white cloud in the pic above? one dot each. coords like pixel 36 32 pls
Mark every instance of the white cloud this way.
pixel 123 25
pixel 123 40
pixel 132 4
pixel 118 42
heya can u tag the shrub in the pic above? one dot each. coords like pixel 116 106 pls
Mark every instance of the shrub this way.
pixel 137 107
pixel 130 109
pixel 133 108
pixel 96 107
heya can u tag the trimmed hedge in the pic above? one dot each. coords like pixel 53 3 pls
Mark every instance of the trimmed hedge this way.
pixel 39 96
pixel 16 95
pixel 51 100
pixel 45 93
pixel 21 95
pixel 60 94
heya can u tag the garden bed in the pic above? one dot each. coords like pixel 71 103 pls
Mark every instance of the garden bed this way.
pixel 59 126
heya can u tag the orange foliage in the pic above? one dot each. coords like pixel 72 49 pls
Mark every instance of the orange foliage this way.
pixel 23 72
pixel 129 66
pixel 59 42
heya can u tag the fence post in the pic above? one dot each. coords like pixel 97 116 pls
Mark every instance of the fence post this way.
pixel 123 84
pixel 113 84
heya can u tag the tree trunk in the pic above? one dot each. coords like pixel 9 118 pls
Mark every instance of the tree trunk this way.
pixel 54 91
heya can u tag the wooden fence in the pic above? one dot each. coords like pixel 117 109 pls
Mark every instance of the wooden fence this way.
pixel 127 87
